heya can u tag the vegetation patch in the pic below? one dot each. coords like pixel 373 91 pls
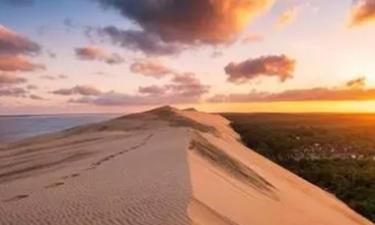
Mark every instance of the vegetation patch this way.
pixel 333 151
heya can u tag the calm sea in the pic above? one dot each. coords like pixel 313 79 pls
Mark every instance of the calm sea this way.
pixel 18 127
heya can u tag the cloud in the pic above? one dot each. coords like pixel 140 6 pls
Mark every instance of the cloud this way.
pixel 363 12
pixel 12 63
pixel 31 87
pixel 287 17
pixel 8 80
pixel 62 76
pixel 7 83
pixel 187 85
pixel 217 54
pixel 12 92
pixel 150 68
pixel 279 66
pixel 78 90
pixel 350 92
pixel 51 77
pixel 191 21
pixel 12 43
pixel 152 90
pixel 98 53
pixel 114 99
pixel 14 48
pixel 358 83
pixel 48 77
pixel 70 23
pixel 185 88
pixel 136 40
pixel 252 38
pixel 51 54
pixel 36 97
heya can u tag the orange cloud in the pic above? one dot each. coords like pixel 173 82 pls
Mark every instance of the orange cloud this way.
pixel 352 91
pixel 279 66
pixel 17 63
pixel 98 53
pixel 192 21
pixel 363 12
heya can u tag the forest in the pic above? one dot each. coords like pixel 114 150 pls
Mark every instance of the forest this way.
pixel 333 151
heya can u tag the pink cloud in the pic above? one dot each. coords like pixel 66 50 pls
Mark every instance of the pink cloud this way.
pixel 152 90
pixel 252 38
pixel 279 66
pixel 11 63
pixel 184 88
pixel 12 92
pixel 14 48
pixel 36 97
pixel 150 68
pixel 98 53
pixel 12 43
pixel 8 80
pixel 78 90
pixel 52 77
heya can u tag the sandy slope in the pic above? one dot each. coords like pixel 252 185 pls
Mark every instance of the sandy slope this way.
pixel 164 166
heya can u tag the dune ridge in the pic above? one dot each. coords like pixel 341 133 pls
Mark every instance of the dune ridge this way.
pixel 164 166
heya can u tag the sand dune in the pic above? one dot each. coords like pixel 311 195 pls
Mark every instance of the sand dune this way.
pixel 164 166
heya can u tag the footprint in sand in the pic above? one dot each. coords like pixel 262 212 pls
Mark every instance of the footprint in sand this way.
pixel 75 175
pixel 54 185
pixel 70 176
pixel 16 198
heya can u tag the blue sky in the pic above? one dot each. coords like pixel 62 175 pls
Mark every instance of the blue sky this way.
pixel 316 36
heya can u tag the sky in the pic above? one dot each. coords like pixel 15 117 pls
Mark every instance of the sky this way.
pixel 88 56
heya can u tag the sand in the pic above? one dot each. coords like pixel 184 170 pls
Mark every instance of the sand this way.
pixel 165 166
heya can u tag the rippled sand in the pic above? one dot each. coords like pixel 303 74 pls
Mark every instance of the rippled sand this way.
pixel 164 166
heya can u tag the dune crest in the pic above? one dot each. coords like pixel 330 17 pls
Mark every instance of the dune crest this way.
pixel 164 166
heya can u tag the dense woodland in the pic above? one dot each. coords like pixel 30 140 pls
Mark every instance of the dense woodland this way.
pixel 333 151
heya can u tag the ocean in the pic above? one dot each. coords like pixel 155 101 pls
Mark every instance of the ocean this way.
pixel 18 127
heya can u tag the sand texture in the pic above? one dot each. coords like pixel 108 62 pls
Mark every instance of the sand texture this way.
pixel 165 166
